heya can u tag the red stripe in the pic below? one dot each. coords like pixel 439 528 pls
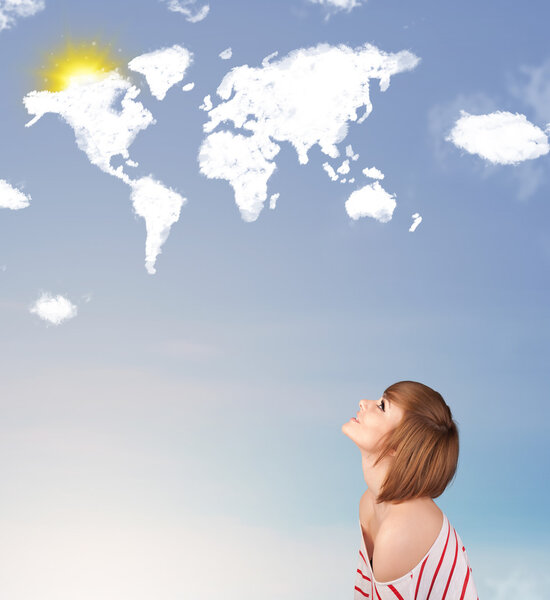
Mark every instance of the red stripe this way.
pixel 377 594
pixel 397 594
pixel 363 575
pixel 465 584
pixel 420 576
pixel 364 559
pixel 439 564
pixel 362 592
pixel 452 570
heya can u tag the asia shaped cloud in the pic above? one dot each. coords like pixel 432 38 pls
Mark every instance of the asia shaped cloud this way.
pixel 417 219
pixel 11 197
pixel 500 137
pixel 160 207
pixel 306 98
pixel 371 201
pixel 101 130
pixel 346 5
pixel 162 68
pixel 188 9
pixel 53 309
pixel 11 10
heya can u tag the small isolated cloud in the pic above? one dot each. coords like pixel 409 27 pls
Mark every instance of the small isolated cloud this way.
pixel 101 130
pixel 337 5
pixel 330 170
pixel 373 173
pixel 350 153
pixel 273 201
pixel 500 137
pixel 11 10
pixel 188 8
pixel 226 54
pixel 417 219
pixel 11 197
pixel 160 207
pixel 188 86
pixel 343 169
pixel 532 88
pixel 55 310
pixel 371 201
pixel 306 98
pixel 162 68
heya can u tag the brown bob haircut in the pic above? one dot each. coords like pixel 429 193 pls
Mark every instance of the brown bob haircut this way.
pixel 424 445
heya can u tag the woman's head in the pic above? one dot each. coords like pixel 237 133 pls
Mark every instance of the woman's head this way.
pixel 424 445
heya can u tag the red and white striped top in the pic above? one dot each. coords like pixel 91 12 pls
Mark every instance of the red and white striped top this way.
pixel 443 574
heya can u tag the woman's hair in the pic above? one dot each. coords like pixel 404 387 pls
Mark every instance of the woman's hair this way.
pixel 425 444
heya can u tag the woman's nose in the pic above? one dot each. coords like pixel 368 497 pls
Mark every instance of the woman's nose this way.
pixel 363 404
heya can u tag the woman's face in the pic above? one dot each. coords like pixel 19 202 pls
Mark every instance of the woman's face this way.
pixel 374 419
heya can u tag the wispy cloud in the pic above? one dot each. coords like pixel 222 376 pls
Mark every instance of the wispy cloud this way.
pixel 162 68
pixel 226 54
pixel 55 310
pixel 189 10
pixel 11 10
pixel 339 5
pixel 11 197
pixel 371 201
pixel 417 219
pixel 500 137
pixel 532 88
pixel 308 97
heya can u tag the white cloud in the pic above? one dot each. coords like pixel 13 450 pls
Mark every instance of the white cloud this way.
pixel 350 154
pixel 162 68
pixel 11 10
pixel 417 219
pixel 101 130
pixel 160 207
pixel 331 172
pixel 371 201
pixel 53 309
pixel 226 54
pixel 273 200
pixel 11 197
pixel 306 98
pixel 532 88
pixel 337 5
pixel 373 173
pixel 189 10
pixel 244 161
pixel 343 169
pixel 188 86
pixel 206 104
pixel 500 137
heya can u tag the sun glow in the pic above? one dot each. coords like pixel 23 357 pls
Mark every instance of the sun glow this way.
pixel 77 63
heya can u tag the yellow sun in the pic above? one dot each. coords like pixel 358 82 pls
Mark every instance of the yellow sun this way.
pixel 77 63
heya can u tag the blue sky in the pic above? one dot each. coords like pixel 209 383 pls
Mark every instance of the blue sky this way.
pixel 180 436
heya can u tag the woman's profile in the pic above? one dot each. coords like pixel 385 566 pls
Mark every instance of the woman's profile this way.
pixel 409 452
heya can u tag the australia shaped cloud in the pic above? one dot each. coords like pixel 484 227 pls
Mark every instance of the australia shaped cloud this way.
pixel 11 197
pixel 11 10
pixel 54 309
pixel 500 137
pixel 307 98
pixel 371 201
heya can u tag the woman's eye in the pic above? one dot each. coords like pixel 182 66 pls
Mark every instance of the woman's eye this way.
pixel 381 405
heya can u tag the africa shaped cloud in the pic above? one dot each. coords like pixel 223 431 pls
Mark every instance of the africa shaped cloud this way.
pixel 188 9
pixel 371 201
pixel 11 197
pixel 500 137
pixel 162 68
pixel 11 10
pixel 101 130
pixel 160 207
pixel 346 5
pixel 417 219
pixel 306 98
pixel 53 309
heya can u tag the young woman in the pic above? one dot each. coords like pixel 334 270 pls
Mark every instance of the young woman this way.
pixel 409 451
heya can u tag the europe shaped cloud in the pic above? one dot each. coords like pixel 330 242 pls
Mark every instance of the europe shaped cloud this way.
pixel 11 10
pixel 500 137
pixel 11 197
pixel 188 8
pixel 54 309
pixel 308 97
pixel 337 5
pixel 101 130
pixel 162 68
pixel 371 201
pixel 160 207
pixel 417 219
